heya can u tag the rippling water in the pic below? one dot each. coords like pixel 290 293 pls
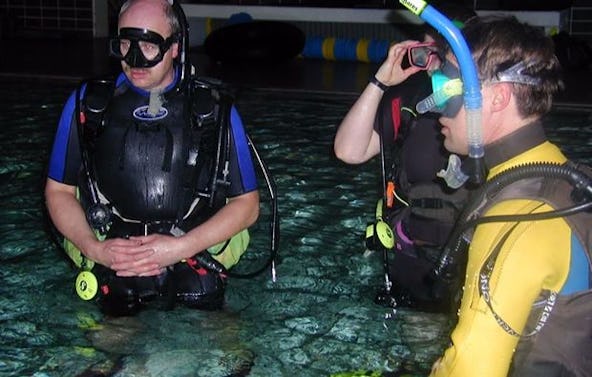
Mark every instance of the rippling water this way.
pixel 317 319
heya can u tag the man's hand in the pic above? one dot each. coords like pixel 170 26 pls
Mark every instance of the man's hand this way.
pixel 128 257
pixel 149 255
pixel 391 72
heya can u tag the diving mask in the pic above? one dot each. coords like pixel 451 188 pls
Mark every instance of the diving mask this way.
pixel 448 87
pixel 421 55
pixel 140 48
pixel 447 92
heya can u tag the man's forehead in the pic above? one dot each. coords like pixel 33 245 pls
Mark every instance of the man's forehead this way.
pixel 146 15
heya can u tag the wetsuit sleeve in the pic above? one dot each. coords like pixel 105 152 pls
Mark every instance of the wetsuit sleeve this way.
pixel 533 258
pixel 65 161
pixel 242 171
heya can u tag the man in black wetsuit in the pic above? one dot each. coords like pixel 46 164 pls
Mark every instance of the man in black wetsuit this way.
pixel 423 209
pixel 130 181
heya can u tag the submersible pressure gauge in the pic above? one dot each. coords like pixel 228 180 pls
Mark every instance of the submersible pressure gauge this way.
pixel 86 285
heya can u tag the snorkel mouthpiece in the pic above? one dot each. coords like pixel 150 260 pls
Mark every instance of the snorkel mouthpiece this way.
pixel 471 87
pixel 444 90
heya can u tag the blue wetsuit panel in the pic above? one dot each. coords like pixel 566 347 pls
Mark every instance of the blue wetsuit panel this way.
pixel 65 157
pixel 579 270
pixel 57 160
pixel 244 159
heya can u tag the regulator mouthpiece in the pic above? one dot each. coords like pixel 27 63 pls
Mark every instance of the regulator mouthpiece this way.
pixel 453 175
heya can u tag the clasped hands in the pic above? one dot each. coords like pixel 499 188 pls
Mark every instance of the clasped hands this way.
pixel 140 255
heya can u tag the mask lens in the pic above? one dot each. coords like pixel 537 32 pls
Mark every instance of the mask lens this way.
pixel 124 46
pixel 421 55
pixel 150 50
pixel 119 47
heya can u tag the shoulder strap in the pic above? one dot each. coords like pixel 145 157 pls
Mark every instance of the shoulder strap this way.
pixel 211 103
pixel 92 98
pixel 566 188
pixel 559 193
pixel 559 186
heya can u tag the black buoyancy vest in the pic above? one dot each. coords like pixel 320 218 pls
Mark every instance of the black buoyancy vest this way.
pixel 417 154
pixel 562 338
pixel 139 159
pixel 151 168
pixel 559 186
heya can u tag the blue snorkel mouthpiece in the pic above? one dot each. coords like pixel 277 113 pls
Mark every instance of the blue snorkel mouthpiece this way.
pixel 475 165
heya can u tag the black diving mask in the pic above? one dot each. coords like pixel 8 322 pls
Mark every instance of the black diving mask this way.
pixel 140 48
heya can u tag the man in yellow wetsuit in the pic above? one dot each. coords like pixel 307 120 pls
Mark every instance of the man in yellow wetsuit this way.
pixel 516 266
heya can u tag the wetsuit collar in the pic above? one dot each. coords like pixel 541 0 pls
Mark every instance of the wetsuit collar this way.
pixel 512 145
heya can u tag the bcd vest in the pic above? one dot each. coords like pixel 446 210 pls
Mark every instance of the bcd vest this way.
pixel 558 336
pixel 154 166
pixel 433 207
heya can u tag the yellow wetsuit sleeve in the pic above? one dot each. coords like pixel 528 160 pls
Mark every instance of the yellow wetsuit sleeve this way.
pixel 534 257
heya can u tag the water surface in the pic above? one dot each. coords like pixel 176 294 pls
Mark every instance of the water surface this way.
pixel 318 318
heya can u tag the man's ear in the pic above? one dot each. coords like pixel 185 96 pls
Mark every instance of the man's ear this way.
pixel 175 49
pixel 502 92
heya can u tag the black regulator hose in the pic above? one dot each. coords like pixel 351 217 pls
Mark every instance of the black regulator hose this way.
pixel 274 222
pixel 186 67
pixel 570 172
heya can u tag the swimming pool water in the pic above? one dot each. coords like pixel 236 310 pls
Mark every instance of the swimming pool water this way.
pixel 317 319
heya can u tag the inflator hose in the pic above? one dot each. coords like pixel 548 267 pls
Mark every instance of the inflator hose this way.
pixel 274 221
